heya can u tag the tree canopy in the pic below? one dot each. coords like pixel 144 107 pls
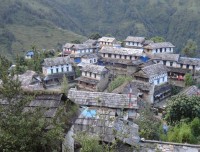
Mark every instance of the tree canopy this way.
pixel 190 49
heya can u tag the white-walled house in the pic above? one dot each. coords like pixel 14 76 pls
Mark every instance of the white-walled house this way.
pixel 156 76
pixel 54 68
pixel 93 77
pixel 106 41
pixel 135 42
pixel 161 47
pixel 90 58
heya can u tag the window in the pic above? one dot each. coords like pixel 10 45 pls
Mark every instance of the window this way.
pixel 188 66
pixel 95 60
pixel 90 74
pixel 120 56
pixel 51 71
pixel 95 76
pixel 85 73
pixel 165 49
pixel 171 63
pixel 164 62
pixel 163 79
pixel 115 55
pixel 181 65
pixel 62 69
pixel 90 61
pixel 158 81
pixel 109 55
pixel 193 67
pixel 160 50
pixel 57 70
pixel 67 68
pixel 104 55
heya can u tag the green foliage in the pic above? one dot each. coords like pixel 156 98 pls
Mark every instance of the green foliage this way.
pixel 22 130
pixel 182 107
pixel 78 72
pixel 94 36
pixel 118 82
pixel 148 124
pixel 64 85
pixel 76 41
pixel 89 143
pixel 188 79
pixel 157 39
pixel 195 127
pixel 181 133
pixel 190 49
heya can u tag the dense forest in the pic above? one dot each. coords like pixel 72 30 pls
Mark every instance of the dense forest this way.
pixel 50 23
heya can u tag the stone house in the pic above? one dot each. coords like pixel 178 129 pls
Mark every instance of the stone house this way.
pixel 161 47
pixel 120 60
pixel 178 66
pixel 77 50
pixel 93 77
pixel 124 105
pixel 90 58
pixel 54 68
pixel 156 75
pixel 134 42
pixel 106 41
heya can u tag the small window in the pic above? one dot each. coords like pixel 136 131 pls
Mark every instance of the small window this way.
pixel 85 73
pixel 104 55
pixel 95 76
pixel 67 68
pixel 171 63
pixel 90 74
pixel 115 56
pixel 164 62
pixel 51 71
pixel 181 65
pixel 57 70
pixel 188 66
pixel 94 60
pixel 62 69
pixel 109 55
pixel 90 61
pixel 158 81
pixel 161 50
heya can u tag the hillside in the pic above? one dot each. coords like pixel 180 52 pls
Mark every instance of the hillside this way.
pixel 42 22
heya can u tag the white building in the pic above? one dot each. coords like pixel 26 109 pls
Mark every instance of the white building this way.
pixel 57 65
pixel 162 47
pixel 106 41
pixel 136 42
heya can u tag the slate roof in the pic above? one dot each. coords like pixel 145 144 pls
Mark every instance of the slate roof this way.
pixel 136 84
pixel 179 70
pixel 90 56
pixel 94 68
pixel 190 61
pixel 88 80
pixel 102 99
pixel 159 45
pixel 90 42
pixel 48 103
pixel 79 46
pixel 166 57
pixel 135 39
pixel 56 61
pixel 118 61
pixel 152 70
pixel 190 91
pixel 121 51
pixel 162 88
pixel 107 39
pixel 58 75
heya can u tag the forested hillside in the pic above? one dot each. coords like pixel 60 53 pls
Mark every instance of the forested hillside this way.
pixel 175 20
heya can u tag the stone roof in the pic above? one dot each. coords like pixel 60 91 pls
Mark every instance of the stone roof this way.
pixel 166 57
pixel 136 84
pixel 160 89
pixel 107 39
pixel 147 42
pixel 152 70
pixel 94 68
pixel 88 80
pixel 121 51
pixel 179 70
pixel 58 75
pixel 79 46
pixel 90 56
pixel 159 45
pixel 190 91
pixel 48 102
pixel 190 61
pixel 102 99
pixel 118 61
pixel 56 61
pixel 91 42
pixel 135 39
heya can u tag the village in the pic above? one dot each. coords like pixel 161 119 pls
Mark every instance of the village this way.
pixel 111 81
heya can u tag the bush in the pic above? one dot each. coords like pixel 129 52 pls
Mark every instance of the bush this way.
pixel 118 82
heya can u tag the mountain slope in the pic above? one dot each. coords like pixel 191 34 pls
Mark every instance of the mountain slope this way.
pixel 175 20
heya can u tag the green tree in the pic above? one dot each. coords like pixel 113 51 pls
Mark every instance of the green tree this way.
pixel 182 107
pixel 148 124
pixel 76 41
pixel 190 49
pixel 188 79
pixel 22 130
pixel 64 85
pixel 94 36
pixel 157 39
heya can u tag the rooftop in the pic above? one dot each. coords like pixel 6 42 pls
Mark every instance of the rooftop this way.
pixel 166 57
pixel 56 61
pixel 107 39
pixel 135 39
pixel 191 91
pixel 190 61
pixel 94 68
pixel 159 45
pixel 121 51
pixel 102 99
pixel 152 70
